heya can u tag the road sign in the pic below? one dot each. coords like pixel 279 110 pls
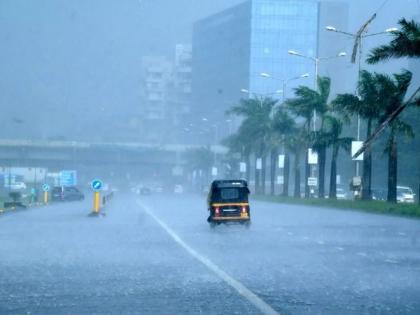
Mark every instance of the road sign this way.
pixel 96 184
pixel 259 164
pixel 46 187
pixel 281 160
pixel 312 157
pixel 312 181
pixel 356 146
pixel 68 178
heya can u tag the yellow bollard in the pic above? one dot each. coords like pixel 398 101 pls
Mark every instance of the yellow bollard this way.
pixel 45 197
pixel 96 202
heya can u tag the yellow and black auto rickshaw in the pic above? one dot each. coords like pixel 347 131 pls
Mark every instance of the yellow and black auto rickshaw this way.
pixel 228 202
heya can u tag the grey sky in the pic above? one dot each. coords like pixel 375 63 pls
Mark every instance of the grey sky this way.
pixel 80 59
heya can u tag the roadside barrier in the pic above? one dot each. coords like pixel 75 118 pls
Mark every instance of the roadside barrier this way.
pixel 99 203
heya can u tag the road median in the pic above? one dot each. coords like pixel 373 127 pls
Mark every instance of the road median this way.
pixel 380 207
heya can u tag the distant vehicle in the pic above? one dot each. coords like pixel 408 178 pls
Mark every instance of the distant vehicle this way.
pixel 158 189
pixel 379 194
pixel 145 191
pixel 405 194
pixel 17 186
pixel 60 193
pixel 228 202
pixel 178 189
pixel 341 194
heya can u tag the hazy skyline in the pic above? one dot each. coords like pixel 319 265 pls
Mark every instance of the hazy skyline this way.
pixel 81 59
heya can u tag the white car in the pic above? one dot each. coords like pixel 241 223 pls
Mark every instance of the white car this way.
pixel 178 189
pixel 17 186
pixel 341 194
pixel 405 194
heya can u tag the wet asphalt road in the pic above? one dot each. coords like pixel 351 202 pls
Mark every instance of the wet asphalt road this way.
pixel 298 260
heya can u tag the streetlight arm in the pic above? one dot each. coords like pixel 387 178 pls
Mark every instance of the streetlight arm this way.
pixel 374 34
pixel 341 32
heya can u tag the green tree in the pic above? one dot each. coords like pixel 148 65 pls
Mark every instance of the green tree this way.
pixel 284 126
pixel 368 106
pixel 306 102
pixel 393 91
pixel 200 159
pixel 405 43
pixel 256 125
pixel 333 131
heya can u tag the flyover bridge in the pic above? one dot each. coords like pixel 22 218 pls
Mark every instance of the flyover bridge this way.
pixel 112 156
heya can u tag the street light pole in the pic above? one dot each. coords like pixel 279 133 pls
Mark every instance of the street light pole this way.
pixel 359 47
pixel 316 61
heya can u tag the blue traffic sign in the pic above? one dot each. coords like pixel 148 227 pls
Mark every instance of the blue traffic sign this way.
pixel 68 178
pixel 96 184
pixel 45 187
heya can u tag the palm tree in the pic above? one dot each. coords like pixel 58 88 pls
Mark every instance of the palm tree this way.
pixel 296 143
pixel 306 102
pixel 368 106
pixel 393 91
pixel 200 159
pixel 241 143
pixel 284 126
pixel 333 130
pixel 256 126
pixel 406 43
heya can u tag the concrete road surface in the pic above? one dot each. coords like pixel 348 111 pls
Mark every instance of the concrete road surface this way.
pixel 157 255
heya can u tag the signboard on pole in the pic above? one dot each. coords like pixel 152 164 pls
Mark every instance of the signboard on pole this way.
pixel 96 184
pixel 312 157
pixel 355 146
pixel 242 167
pixel 68 178
pixel 281 161
pixel 259 164
pixel 312 181
pixel 46 187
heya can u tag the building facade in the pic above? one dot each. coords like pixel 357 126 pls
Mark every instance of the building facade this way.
pixel 165 96
pixel 232 48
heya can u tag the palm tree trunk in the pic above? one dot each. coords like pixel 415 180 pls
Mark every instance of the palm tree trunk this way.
pixel 297 175
pixel 367 168
pixel 286 174
pixel 322 161
pixel 248 167
pixel 257 177
pixel 273 168
pixel 333 173
pixel 307 174
pixel 263 173
pixel 392 169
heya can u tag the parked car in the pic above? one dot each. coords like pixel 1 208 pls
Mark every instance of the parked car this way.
pixel 145 191
pixel 61 193
pixel 379 194
pixel 178 189
pixel 341 194
pixel 405 194
pixel 18 186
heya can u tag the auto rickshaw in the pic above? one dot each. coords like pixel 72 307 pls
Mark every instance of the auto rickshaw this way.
pixel 228 202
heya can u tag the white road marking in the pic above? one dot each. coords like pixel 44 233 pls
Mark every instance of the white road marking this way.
pixel 238 286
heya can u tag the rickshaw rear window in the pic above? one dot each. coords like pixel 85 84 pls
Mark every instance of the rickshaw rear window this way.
pixel 229 193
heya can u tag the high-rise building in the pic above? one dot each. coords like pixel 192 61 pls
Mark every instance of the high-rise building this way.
pixel 232 48
pixel 165 96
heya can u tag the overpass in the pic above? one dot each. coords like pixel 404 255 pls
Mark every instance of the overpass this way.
pixel 111 156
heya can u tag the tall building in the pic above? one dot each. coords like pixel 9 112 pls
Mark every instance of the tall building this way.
pixel 157 76
pixel 165 96
pixel 232 48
